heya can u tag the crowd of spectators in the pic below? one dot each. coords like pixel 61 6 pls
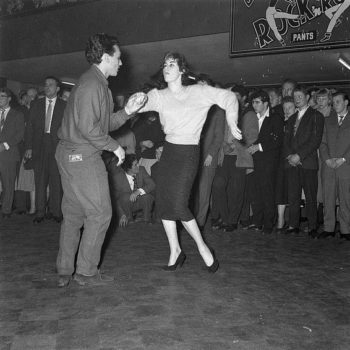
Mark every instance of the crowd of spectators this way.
pixel 292 165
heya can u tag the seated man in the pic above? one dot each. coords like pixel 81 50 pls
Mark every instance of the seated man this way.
pixel 131 187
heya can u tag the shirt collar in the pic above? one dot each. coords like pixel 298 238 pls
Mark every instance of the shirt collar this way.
pixel 303 109
pixel 264 115
pixel 51 99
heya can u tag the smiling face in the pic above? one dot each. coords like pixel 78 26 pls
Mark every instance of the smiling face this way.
pixel 300 99
pixel 51 88
pixel 171 70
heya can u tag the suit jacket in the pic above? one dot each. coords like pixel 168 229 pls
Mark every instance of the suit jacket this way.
pixel 12 133
pixel 336 143
pixel 36 126
pixel 120 184
pixel 250 132
pixel 271 139
pixel 212 135
pixel 307 139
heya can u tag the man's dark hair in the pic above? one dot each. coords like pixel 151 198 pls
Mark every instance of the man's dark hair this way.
pixel 290 81
pixel 51 77
pixel 128 161
pixel 240 89
pixel 341 93
pixel 287 99
pixel 206 78
pixel 303 89
pixel 262 95
pixel 99 44
pixel 7 91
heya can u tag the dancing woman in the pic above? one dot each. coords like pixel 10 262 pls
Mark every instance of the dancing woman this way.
pixel 183 110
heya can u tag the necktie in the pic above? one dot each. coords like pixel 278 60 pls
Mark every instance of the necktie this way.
pixel 2 119
pixel 135 183
pixel 340 120
pixel 48 117
pixel 297 122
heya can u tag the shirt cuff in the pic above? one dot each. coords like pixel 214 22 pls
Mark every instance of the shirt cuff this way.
pixel 142 191
pixel 6 145
pixel 260 147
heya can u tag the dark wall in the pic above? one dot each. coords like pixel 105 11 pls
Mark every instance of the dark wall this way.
pixel 65 29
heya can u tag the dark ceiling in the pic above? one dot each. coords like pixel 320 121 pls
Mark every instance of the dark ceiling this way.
pixel 146 30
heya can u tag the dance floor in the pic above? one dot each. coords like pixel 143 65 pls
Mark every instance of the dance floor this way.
pixel 271 292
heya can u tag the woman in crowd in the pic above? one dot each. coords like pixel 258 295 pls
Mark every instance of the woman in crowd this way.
pixel 183 109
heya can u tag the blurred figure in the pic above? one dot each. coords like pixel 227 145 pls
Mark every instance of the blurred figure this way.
pixel 288 87
pixel 65 95
pixel 324 102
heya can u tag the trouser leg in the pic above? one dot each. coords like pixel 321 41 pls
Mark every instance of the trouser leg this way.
pixel 8 177
pixel 294 195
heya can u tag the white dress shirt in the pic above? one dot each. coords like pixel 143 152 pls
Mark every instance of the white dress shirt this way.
pixel 53 107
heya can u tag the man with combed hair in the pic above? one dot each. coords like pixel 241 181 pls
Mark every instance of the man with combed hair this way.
pixel 83 136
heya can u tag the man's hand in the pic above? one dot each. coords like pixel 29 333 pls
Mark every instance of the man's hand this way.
pixel 134 195
pixel 123 221
pixel 146 144
pixel 2 147
pixel 331 163
pixel 135 102
pixel 208 160
pixel 252 149
pixel 236 132
pixel 120 153
pixel 28 154
pixel 339 162
pixel 294 159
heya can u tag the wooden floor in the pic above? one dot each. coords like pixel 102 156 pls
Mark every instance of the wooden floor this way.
pixel 271 292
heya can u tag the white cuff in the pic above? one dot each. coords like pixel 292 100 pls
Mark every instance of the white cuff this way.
pixel 6 145
pixel 142 191
pixel 260 147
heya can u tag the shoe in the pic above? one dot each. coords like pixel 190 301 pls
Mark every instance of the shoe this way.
pixel 244 225
pixel 5 216
pixel 292 230
pixel 255 227
pixel 325 234
pixel 280 230
pixel 267 231
pixel 38 219
pixel 179 262
pixel 326 37
pixel 216 224
pixel 345 236
pixel 49 216
pixel 20 212
pixel 58 219
pixel 229 227
pixel 215 265
pixel 95 280
pixel 63 280
pixel 313 233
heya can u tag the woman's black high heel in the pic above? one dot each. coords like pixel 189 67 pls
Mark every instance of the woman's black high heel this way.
pixel 215 265
pixel 178 263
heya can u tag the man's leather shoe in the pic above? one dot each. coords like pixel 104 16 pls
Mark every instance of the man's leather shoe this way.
pixel 313 233
pixel 292 230
pixel 63 280
pixel 49 216
pixel 6 216
pixel 229 227
pixel 95 280
pixel 38 219
pixel 345 236
pixel 325 234
pixel 255 227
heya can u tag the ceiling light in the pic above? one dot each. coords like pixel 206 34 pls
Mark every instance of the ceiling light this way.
pixel 344 63
pixel 67 83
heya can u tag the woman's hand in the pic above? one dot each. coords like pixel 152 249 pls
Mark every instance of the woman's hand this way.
pixel 236 132
pixel 135 102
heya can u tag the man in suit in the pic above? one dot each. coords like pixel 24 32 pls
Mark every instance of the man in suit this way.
pixel 266 152
pixel 335 156
pixel 45 117
pixel 11 134
pixel 131 188
pixel 302 138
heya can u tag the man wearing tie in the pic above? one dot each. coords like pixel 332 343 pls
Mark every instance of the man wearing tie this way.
pixel 45 117
pixel 335 154
pixel 131 190
pixel 302 138
pixel 11 134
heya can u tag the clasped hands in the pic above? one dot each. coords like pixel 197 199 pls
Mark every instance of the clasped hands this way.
pixel 135 102
pixel 294 160
pixel 335 163
pixel 134 195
